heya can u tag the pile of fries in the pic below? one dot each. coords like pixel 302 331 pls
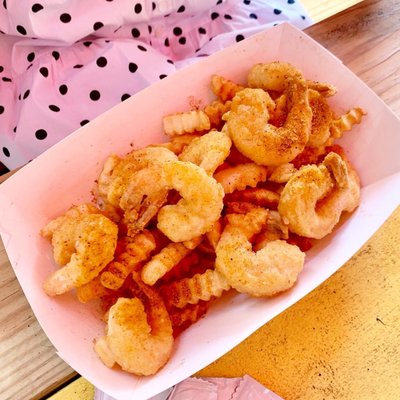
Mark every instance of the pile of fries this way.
pixel 182 222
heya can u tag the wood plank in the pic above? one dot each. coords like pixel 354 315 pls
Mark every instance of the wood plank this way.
pixel 29 361
pixel 323 9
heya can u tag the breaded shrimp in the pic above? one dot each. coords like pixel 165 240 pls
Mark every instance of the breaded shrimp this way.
pixel 264 143
pixel 274 76
pixel 144 195
pixel 314 198
pixel 83 243
pixel 270 270
pixel 200 206
pixel 137 346
pixel 208 151
pixel 117 172
pixel 322 117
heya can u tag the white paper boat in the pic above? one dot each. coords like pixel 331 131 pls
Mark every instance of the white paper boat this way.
pixel 64 175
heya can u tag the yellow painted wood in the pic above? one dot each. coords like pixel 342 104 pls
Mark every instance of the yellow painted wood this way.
pixel 80 389
pixel 339 342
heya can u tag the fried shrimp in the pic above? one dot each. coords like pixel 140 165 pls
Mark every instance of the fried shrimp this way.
pixel 314 198
pixel 274 76
pixel 131 341
pixel 208 151
pixel 322 117
pixel 83 243
pixel 272 269
pixel 264 143
pixel 117 172
pixel 141 201
pixel 200 206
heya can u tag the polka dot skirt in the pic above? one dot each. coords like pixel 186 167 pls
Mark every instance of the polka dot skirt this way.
pixel 63 64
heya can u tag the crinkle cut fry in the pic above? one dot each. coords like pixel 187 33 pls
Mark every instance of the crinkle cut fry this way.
pixel 182 318
pixel 135 251
pixel 191 290
pixel 346 121
pixel 164 261
pixel 241 176
pixel 223 88
pixel 92 290
pixel 215 110
pixel 186 122
pixel 259 196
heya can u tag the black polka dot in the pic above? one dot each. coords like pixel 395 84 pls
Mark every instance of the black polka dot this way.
pixel 177 31
pixel 182 40
pixel 21 29
pixel 214 15
pixel 41 134
pixel 125 96
pixel 37 7
pixel 29 66
pixel 290 1
pixel 202 31
pixel 1 68
pixel 15 129
pixel 1 109
pixel 162 76
pixel 31 56
pixel 63 89
pixel 253 16
pixel 153 6
pixel 150 29
pixel 78 66
pixel 19 96
pixel 26 94
pixel 135 32
pixel 5 4
pixel 303 17
pixel 138 8
pixel 246 2
pixel 170 61
pixel 239 38
pixel 166 42
pixel 6 152
pixel 84 122
pixel 65 18
pixel 5 79
pixel 87 43
pixel 101 62
pixel 219 2
pixel 277 11
pixel 97 26
pixel 142 48
pixel 133 67
pixel 44 71
pixel 56 55
pixel 54 108
pixel 181 9
pixel 94 95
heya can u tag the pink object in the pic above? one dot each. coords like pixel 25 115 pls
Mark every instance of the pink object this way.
pixel 65 62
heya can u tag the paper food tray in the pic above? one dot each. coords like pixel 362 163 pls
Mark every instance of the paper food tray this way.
pixel 64 175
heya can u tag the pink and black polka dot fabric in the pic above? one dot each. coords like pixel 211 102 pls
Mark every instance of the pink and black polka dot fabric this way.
pixel 65 62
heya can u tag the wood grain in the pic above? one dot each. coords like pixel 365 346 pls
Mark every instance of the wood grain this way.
pixel 339 342
pixel 28 360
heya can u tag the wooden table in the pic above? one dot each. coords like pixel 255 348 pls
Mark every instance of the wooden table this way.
pixel 341 341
